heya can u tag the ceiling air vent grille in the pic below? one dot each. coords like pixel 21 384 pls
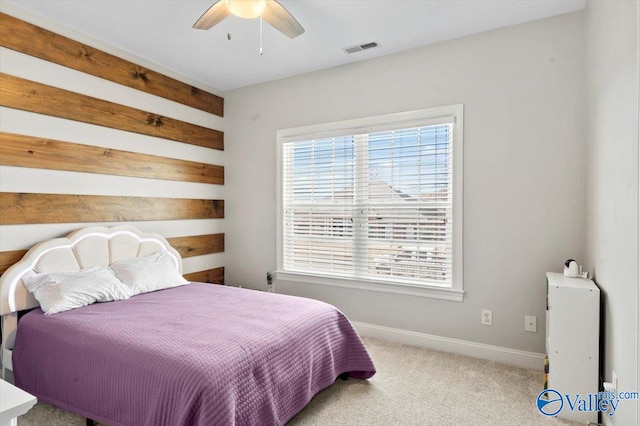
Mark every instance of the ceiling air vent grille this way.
pixel 353 49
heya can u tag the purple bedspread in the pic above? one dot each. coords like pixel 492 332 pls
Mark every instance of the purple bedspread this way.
pixel 192 355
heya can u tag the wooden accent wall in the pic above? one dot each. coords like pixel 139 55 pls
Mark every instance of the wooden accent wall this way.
pixel 213 276
pixel 59 154
pixel 18 93
pixel 195 245
pixel 33 152
pixel 35 41
pixel 8 258
pixel 198 245
pixel 16 208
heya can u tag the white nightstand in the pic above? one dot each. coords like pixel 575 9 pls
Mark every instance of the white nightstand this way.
pixel 573 339
pixel 14 402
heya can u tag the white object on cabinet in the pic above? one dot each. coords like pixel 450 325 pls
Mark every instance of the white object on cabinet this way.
pixel 573 340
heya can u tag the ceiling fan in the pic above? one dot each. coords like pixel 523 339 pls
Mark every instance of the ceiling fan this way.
pixel 269 10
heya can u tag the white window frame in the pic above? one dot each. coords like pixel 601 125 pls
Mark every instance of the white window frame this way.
pixel 408 119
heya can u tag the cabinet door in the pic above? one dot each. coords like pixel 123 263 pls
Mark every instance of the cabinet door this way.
pixel 573 315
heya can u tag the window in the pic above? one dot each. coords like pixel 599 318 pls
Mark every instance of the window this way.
pixel 374 203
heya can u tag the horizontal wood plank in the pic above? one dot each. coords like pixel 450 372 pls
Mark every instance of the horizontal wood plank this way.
pixel 195 245
pixel 18 93
pixel 32 40
pixel 21 208
pixel 30 151
pixel 198 245
pixel 8 258
pixel 213 276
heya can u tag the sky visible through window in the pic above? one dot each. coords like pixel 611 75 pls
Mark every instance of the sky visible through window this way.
pixel 373 205
pixel 415 162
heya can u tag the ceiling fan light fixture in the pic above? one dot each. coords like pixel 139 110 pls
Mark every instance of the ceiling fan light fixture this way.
pixel 247 9
pixel 270 10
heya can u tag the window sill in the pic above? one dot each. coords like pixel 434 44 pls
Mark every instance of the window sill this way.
pixel 370 285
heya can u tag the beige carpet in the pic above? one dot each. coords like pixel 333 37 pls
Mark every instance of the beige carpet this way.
pixel 413 386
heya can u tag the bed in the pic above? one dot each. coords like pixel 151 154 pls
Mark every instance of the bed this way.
pixel 193 354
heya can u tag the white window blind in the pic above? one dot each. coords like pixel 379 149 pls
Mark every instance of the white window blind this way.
pixel 374 205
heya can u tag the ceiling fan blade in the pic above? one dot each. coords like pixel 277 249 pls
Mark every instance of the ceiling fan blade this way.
pixel 280 19
pixel 212 16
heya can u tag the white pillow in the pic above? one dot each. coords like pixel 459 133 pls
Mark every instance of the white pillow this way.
pixel 61 291
pixel 149 273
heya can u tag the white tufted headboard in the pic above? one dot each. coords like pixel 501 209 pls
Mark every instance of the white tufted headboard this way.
pixel 84 248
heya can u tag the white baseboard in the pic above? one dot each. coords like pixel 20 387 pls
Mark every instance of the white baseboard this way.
pixel 515 357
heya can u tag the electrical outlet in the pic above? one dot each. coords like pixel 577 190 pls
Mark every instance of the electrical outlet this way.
pixel 530 323
pixel 487 317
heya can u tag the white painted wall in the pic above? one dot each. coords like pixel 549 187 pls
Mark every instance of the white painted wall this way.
pixel 18 179
pixel 523 175
pixel 612 184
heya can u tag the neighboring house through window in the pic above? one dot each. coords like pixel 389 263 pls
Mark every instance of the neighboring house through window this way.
pixel 374 203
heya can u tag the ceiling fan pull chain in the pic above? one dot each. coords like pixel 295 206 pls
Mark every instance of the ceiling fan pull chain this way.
pixel 260 35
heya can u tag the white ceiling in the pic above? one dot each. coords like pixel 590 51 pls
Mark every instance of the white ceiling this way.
pixel 160 31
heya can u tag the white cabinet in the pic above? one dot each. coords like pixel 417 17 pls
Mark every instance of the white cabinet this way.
pixel 572 340
pixel 14 402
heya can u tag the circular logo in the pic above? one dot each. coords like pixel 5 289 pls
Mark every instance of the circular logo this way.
pixel 553 403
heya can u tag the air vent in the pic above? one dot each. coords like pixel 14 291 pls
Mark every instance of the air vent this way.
pixel 353 49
